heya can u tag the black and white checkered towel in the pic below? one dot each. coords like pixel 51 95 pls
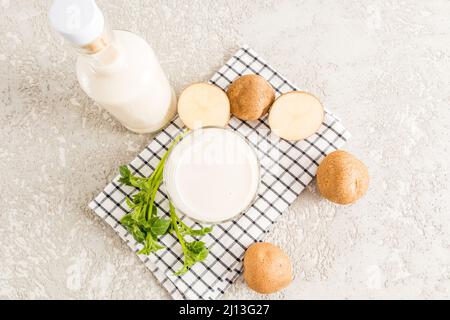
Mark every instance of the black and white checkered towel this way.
pixel 286 169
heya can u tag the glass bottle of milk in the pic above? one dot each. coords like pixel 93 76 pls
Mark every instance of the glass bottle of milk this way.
pixel 116 68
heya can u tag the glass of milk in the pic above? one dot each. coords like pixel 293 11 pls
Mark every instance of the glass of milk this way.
pixel 212 175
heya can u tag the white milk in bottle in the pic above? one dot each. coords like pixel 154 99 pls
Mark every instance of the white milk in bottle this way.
pixel 116 68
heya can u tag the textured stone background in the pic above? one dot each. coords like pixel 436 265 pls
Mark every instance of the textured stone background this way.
pixel 382 66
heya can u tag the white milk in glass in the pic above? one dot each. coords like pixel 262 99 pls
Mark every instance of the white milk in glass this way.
pixel 212 175
pixel 117 69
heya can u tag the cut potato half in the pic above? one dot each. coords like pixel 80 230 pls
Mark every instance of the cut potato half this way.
pixel 296 115
pixel 203 104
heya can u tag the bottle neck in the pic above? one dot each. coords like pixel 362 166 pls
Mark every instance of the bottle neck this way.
pixel 103 52
pixel 108 56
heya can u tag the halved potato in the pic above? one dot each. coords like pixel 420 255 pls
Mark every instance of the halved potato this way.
pixel 296 115
pixel 203 104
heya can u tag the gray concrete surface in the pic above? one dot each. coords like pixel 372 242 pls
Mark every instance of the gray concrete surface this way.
pixel 382 66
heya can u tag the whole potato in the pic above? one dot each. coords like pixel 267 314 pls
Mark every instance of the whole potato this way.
pixel 267 268
pixel 342 178
pixel 250 97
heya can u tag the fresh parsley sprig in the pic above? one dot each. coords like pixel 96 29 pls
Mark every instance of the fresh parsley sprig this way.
pixel 194 251
pixel 144 224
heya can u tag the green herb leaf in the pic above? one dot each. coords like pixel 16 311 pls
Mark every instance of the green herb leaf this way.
pixel 129 203
pixel 128 179
pixel 137 233
pixel 125 175
pixel 159 226
pixel 187 231
pixel 139 197
pixel 136 214
pixel 196 246
pixel 151 245
pixel 126 220
pixel 197 250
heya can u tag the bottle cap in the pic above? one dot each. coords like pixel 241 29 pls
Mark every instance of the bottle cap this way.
pixel 78 21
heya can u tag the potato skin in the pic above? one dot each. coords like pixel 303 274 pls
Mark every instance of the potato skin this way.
pixel 267 268
pixel 342 178
pixel 250 97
